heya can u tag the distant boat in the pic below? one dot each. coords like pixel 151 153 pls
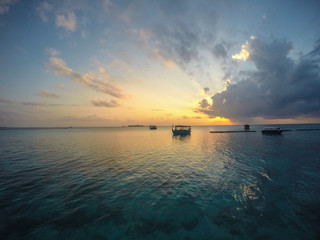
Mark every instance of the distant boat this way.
pixel 271 130
pixel 153 127
pixel 181 130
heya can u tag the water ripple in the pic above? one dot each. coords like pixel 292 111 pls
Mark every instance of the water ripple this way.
pixel 141 184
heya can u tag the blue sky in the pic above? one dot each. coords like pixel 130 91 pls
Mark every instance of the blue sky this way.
pixel 113 63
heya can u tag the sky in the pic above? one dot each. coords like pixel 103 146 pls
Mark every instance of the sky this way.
pixel 117 63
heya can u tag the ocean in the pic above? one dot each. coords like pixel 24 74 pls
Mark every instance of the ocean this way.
pixel 136 183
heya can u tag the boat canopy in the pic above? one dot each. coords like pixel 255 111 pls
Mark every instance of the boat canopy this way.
pixel 271 128
pixel 181 127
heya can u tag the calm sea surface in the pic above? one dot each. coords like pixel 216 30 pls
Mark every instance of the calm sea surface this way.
pixel 133 183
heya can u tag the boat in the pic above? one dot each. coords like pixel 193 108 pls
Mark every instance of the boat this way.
pixel 153 127
pixel 181 130
pixel 271 130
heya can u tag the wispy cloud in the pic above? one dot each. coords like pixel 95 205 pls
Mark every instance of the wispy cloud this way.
pixel 178 39
pixel 60 86
pixel 5 5
pixel 81 119
pixel 2 100
pixel 43 9
pixel 99 84
pixel 42 104
pixel 68 22
pixel 47 94
pixel 103 103
pixel 157 109
pixel 52 52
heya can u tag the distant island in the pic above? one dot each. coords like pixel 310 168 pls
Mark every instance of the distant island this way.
pixel 137 125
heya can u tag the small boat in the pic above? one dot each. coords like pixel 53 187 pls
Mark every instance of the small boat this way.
pixel 181 130
pixel 153 127
pixel 271 130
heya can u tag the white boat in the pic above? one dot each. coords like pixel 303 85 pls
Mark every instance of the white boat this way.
pixel 153 127
pixel 271 130
pixel 181 130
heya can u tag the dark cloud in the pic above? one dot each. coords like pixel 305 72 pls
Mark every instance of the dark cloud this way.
pixel 206 89
pixel 172 8
pixel 177 43
pixel 280 87
pixel 179 37
pixel 315 53
pixel 204 104
pixel 219 51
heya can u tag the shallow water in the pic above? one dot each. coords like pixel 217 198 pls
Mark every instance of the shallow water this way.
pixel 133 183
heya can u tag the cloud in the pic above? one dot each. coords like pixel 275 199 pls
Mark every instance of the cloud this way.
pixel 2 100
pixel 100 84
pixel 243 54
pixel 279 88
pixel 204 104
pixel 47 94
pixel 60 86
pixel 107 4
pixel 177 39
pixel 68 22
pixel 206 90
pixel 177 44
pixel 157 109
pixel 43 9
pixel 60 68
pixel 5 5
pixel 42 104
pixel 52 52
pixel 102 103
pixel 219 51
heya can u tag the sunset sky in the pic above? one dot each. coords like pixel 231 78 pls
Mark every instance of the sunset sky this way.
pixel 114 63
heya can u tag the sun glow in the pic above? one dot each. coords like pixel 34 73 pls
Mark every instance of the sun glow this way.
pixel 243 54
pixel 222 120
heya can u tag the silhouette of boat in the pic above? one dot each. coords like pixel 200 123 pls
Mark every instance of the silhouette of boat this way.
pixel 271 130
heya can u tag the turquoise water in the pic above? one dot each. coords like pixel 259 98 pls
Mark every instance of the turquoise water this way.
pixel 133 183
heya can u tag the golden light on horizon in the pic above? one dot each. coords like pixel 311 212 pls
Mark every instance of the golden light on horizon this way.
pixel 223 120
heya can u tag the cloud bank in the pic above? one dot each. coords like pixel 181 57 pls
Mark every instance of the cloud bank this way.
pixel 279 88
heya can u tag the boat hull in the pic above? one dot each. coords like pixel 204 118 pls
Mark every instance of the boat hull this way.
pixel 271 131
pixel 175 132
